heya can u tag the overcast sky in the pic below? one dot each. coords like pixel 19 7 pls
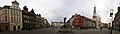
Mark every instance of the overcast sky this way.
pixel 56 10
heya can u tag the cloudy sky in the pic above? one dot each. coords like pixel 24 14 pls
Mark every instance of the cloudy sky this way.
pixel 56 10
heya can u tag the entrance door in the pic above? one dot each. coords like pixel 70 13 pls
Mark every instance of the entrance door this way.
pixel 14 28
pixel 19 27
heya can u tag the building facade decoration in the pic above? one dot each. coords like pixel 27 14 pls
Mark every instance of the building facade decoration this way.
pixel 11 17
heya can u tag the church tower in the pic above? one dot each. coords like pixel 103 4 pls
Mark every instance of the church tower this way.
pixel 96 18
pixel 94 13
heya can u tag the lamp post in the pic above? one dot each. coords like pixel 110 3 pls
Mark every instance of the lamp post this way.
pixel 111 15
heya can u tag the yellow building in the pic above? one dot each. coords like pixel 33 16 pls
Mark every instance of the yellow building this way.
pixel 11 17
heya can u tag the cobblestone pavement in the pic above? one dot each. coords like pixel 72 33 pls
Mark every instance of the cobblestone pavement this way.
pixel 55 31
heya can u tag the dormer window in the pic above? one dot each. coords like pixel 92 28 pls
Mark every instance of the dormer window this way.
pixel 14 6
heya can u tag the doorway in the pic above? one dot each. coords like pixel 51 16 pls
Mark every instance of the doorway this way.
pixel 14 28
pixel 19 27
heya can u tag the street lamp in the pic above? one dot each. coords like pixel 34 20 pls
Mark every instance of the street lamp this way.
pixel 111 15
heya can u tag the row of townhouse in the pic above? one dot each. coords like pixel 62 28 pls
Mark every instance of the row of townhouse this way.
pixel 12 18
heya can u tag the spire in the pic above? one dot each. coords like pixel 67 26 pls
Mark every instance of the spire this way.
pixel 94 8
pixel 94 13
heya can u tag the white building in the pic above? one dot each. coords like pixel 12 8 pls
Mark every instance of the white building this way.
pixel 96 18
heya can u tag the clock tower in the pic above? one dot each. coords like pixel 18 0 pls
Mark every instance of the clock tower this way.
pixel 94 13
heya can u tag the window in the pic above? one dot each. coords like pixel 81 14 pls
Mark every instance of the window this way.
pixel 5 11
pixel 17 18
pixel 14 19
pixel 18 13
pixel 23 15
pixel 11 18
pixel 15 12
pixel 14 6
pixel 28 21
pixel 27 16
pixel 12 12
pixel 24 21
pixel 5 18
